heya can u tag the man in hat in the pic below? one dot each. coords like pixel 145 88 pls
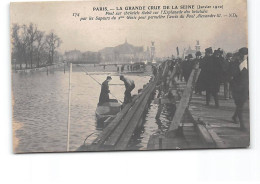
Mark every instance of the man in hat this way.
pixel 104 94
pixel 197 61
pixel 154 69
pixel 225 64
pixel 240 84
pixel 187 67
pixel 179 69
pixel 129 86
pixel 201 82
pixel 212 79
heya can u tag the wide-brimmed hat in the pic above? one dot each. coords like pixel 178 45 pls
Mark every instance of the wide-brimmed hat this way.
pixel 198 53
pixel 229 54
pixel 219 51
pixel 109 78
pixel 243 51
pixel 209 50
pixel 190 56
pixel 121 77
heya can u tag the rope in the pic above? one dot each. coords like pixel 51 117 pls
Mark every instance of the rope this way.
pixel 87 138
pixel 99 83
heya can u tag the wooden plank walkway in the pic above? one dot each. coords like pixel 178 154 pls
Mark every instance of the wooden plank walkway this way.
pixel 218 122
pixel 206 127
pixel 194 125
pixel 183 132
pixel 189 139
pixel 118 133
pixel 184 102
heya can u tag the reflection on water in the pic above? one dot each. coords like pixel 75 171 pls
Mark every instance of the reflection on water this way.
pixel 41 107
pixel 151 125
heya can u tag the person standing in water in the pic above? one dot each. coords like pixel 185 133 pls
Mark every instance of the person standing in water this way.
pixel 104 94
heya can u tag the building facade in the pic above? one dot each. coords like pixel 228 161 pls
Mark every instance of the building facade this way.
pixel 124 53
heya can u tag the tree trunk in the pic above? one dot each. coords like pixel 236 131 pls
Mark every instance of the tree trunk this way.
pixel 31 60
pixel 52 53
pixel 38 60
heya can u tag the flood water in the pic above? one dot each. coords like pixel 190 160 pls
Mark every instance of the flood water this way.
pixel 40 109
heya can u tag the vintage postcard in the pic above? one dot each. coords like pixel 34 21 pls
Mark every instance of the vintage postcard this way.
pixel 129 75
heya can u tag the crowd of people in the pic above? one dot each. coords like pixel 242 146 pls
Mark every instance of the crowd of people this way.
pixel 218 68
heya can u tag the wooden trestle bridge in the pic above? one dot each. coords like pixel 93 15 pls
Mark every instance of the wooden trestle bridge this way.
pixel 193 125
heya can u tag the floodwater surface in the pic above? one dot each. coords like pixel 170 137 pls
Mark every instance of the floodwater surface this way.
pixel 40 111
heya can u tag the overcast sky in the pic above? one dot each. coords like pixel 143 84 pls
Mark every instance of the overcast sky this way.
pixel 227 33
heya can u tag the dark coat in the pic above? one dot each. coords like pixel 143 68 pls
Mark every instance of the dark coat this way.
pixel 201 83
pixel 187 67
pixel 129 84
pixel 213 72
pixel 225 70
pixel 104 94
pixel 239 82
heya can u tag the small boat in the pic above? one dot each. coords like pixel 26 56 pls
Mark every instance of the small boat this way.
pixel 107 110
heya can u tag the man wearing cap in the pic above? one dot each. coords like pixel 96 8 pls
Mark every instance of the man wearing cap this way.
pixel 240 84
pixel 129 86
pixel 104 94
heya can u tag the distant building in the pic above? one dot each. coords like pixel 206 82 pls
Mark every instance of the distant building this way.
pixel 188 51
pixel 76 56
pixel 197 46
pixel 152 52
pixel 124 53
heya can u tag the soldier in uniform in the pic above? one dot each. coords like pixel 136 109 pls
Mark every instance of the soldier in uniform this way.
pixel 104 94
pixel 240 84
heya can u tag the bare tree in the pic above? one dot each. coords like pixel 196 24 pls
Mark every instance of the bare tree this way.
pixel 31 45
pixel 20 42
pixel 52 42
pixel 39 46
pixel 32 31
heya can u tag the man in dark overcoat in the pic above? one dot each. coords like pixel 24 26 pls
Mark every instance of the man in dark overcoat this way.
pixel 201 82
pixel 104 94
pixel 197 61
pixel 226 76
pixel 187 67
pixel 213 73
pixel 240 84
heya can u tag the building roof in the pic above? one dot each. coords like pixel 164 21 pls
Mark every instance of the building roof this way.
pixel 124 48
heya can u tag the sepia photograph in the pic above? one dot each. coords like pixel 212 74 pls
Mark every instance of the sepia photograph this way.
pixel 90 76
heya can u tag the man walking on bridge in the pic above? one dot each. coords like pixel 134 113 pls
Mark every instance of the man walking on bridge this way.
pixel 240 84
pixel 129 86
pixel 212 76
